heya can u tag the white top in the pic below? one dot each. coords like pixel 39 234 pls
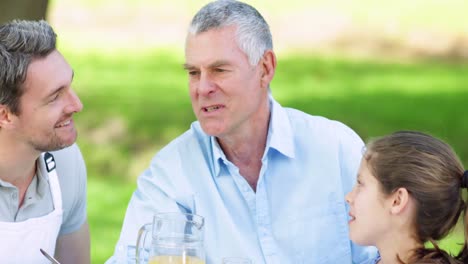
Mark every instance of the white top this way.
pixel 20 242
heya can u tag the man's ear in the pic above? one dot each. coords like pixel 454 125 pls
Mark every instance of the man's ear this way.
pixel 268 64
pixel 5 116
pixel 400 200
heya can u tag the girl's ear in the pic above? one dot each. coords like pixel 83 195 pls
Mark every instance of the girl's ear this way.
pixel 399 201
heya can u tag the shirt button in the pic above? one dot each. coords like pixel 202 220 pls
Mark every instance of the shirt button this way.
pixel 14 196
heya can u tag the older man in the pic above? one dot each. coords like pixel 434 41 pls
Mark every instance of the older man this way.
pixel 270 181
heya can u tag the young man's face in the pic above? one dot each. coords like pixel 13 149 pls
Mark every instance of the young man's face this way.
pixel 227 94
pixel 47 105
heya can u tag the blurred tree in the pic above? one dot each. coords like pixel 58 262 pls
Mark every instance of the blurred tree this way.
pixel 22 9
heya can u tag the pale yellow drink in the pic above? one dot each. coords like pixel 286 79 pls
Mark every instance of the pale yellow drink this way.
pixel 175 260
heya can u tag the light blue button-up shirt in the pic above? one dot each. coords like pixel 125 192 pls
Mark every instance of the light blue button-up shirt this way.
pixel 374 260
pixel 298 213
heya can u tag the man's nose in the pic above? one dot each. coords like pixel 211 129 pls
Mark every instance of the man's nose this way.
pixel 206 85
pixel 75 104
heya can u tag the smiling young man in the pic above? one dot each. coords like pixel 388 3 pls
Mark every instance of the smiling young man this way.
pixel 42 172
pixel 270 181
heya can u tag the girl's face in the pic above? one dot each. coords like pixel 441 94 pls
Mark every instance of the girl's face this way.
pixel 369 209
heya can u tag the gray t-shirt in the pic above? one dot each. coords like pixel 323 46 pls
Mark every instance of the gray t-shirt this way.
pixel 71 171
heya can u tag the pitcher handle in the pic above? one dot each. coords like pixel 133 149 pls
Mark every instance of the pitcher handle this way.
pixel 142 233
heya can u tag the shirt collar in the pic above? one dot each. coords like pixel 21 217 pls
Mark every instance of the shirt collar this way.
pixel 280 136
pixel 5 184
pixel 218 155
pixel 38 185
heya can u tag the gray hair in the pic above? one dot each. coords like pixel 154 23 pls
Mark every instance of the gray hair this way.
pixel 20 42
pixel 253 33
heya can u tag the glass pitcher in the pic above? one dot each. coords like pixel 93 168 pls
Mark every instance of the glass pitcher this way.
pixel 176 238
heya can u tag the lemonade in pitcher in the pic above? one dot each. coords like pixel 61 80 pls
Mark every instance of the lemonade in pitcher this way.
pixel 175 260
pixel 176 238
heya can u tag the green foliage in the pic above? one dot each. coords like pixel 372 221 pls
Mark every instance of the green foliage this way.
pixel 137 103
pixel 107 201
pixel 377 98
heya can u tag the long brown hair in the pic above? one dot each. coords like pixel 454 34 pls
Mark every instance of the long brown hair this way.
pixel 432 173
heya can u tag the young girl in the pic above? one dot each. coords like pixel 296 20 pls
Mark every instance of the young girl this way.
pixel 408 192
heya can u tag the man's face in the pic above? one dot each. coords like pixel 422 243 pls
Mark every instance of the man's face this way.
pixel 47 105
pixel 227 94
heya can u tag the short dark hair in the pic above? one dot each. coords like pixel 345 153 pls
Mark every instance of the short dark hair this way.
pixel 20 42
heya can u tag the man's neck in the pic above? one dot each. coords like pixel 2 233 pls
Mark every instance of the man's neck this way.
pixel 17 165
pixel 246 150
pixel 248 158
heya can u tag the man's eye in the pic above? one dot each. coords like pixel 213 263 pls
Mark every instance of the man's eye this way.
pixel 219 70
pixel 193 73
pixel 54 98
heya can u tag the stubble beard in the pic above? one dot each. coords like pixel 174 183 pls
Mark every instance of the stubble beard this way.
pixel 54 143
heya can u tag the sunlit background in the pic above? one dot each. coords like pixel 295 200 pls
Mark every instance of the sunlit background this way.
pixel 378 66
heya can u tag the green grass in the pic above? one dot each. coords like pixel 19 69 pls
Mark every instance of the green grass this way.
pixel 106 208
pixel 135 103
